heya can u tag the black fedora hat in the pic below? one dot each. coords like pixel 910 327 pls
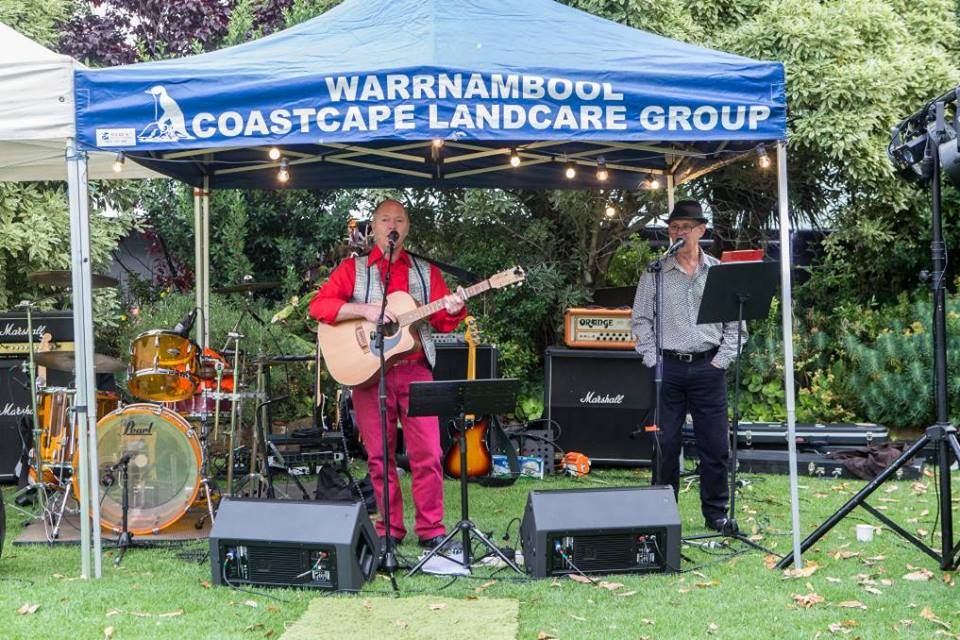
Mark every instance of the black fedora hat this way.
pixel 687 210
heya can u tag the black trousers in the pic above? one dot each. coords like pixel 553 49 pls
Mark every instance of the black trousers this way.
pixel 700 389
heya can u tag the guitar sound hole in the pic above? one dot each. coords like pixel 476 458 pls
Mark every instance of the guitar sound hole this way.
pixel 390 329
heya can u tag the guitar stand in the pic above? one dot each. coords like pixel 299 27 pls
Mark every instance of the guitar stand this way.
pixel 461 397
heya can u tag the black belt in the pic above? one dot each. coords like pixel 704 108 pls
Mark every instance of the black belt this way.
pixel 686 356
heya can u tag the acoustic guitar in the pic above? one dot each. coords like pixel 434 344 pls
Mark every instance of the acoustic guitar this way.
pixel 349 347
pixel 479 460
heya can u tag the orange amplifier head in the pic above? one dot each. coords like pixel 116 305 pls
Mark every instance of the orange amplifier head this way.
pixel 598 328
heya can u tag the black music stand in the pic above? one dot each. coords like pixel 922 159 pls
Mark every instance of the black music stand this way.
pixel 459 398
pixel 737 291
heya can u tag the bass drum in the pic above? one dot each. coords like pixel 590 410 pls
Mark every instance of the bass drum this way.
pixel 163 469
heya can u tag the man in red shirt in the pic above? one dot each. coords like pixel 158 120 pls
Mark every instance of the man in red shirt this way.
pixel 355 290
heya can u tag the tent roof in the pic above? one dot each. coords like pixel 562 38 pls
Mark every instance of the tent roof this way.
pixel 37 113
pixel 355 96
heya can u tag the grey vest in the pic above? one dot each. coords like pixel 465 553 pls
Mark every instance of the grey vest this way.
pixel 368 288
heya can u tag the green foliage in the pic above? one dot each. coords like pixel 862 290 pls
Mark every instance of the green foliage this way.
pixel 38 19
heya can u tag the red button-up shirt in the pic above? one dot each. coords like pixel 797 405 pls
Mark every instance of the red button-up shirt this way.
pixel 338 290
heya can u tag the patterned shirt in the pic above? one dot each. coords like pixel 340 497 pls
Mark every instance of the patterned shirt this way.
pixel 681 304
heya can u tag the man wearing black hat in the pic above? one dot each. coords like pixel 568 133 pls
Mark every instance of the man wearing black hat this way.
pixel 695 359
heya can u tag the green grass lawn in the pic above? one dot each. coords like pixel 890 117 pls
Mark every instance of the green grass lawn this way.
pixel 857 590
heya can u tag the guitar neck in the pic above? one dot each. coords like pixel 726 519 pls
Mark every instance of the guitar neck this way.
pixel 427 310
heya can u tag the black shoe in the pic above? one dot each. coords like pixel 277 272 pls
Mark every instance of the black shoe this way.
pixel 396 542
pixel 431 543
pixel 723 524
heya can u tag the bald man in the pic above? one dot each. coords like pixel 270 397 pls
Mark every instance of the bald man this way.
pixel 355 290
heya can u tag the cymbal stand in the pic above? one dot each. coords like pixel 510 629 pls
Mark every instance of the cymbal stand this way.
pixel 35 457
pixel 234 408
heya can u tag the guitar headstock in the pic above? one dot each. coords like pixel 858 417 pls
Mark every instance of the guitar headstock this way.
pixel 513 275
pixel 472 333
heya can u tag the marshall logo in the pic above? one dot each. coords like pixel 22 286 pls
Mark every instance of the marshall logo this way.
pixel 12 330
pixel 134 429
pixel 592 397
pixel 12 410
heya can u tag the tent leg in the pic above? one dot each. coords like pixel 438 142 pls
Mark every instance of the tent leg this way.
pixel 204 334
pixel 671 196
pixel 85 404
pixel 786 262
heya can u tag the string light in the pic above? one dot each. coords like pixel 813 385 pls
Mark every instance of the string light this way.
pixel 284 174
pixel 571 171
pixel 764 160
pixel 610 211
pixel 602 173
pixel 654 183
pixel 118 162
pixel 514 158
pixel 274 153
pixel 437 142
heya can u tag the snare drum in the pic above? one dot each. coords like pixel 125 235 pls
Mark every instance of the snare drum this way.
pixel 162 367
pixel 163 469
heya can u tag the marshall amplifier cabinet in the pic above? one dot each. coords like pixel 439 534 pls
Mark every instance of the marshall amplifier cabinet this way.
pixel 55 328
pixel 598 399
pixel 14 405
pixel 598 328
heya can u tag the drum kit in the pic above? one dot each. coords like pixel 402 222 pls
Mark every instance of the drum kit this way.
pixel 154 456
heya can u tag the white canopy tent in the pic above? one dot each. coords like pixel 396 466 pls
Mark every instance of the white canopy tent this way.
pixel 37 130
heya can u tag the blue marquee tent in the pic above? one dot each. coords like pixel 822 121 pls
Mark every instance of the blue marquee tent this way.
pixel 440 93
pixel 355 96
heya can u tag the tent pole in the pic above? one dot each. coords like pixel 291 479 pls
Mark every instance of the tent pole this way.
pixel 198 258
pixel 786 261
pixel 205 307
pixel 670 194
pixel 84 408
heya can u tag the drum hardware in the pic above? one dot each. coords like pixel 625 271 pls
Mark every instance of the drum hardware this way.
pixel 234 408
pixel 125 539
pixel 67 361
pixel 64 279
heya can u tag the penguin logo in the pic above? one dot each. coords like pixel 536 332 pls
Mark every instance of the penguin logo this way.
pixel 168 124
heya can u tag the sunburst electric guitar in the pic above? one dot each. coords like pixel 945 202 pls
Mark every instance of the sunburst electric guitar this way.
pixel 479 460
pixel 349 347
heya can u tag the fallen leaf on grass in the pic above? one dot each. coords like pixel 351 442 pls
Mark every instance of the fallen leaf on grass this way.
pixel 273 609
pixel 928 614
pixel 845 555
pixel 873 590
pixel 646 621
pixel 707 585
pixel 807 600
pixel 834 580
pixel 712 628
pixel 28 608
pixel 543 635
pixel 577 617
pixel 576 577
pixel 436 606
pixel 844 626
pixel 172 614
pixel 610 586
pixel 251 603
pixel 486 585
pixel 205 584
pixel 108 633
pixel 921 575
pixel 805 572
pixel 852 604
pixel 113 612
pixel 367 604
pixel 555 583
pixel 770 561
pixel 254 627
pixel 627 594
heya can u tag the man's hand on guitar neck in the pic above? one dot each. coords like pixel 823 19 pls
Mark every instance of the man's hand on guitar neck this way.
pixel 453 302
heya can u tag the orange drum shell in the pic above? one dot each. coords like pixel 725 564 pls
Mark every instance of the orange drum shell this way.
pixel 162 367
pixel 174 422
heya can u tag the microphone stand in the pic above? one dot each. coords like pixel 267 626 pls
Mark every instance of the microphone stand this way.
pixel 126 538
pixel 389 557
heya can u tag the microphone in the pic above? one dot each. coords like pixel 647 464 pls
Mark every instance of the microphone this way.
pixel 393 236
pixel 186 323
pixel 674 247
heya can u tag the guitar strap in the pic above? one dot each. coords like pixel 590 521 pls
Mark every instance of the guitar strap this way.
pixel 460 274
pixel 500 443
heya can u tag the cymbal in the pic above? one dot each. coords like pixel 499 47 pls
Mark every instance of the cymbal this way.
pixel 65 279
pixel 67 361
pixel 247 286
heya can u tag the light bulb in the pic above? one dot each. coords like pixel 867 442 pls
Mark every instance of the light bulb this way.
pixel 284 174
pixel 437 142
pixel 119 162
pixel 610 211
pixel 514 158
pixel 602 173
pixel 764 160
pixel 570 172
pixel 274 153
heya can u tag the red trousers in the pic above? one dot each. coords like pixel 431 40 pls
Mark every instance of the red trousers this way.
pixel 421 436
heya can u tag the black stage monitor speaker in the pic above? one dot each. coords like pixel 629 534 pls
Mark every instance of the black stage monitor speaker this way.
pixel 599 399
pixel 288 543
pixel 599 531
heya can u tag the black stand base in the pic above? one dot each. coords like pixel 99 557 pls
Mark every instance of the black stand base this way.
pixel 732 531
pixel 468 530
pixel 945 436
pixel 124 542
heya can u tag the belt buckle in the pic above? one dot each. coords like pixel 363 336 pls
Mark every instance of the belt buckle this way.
pixel 684 357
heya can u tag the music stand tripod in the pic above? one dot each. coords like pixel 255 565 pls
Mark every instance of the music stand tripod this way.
pixel 736 291
pixel 460 398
